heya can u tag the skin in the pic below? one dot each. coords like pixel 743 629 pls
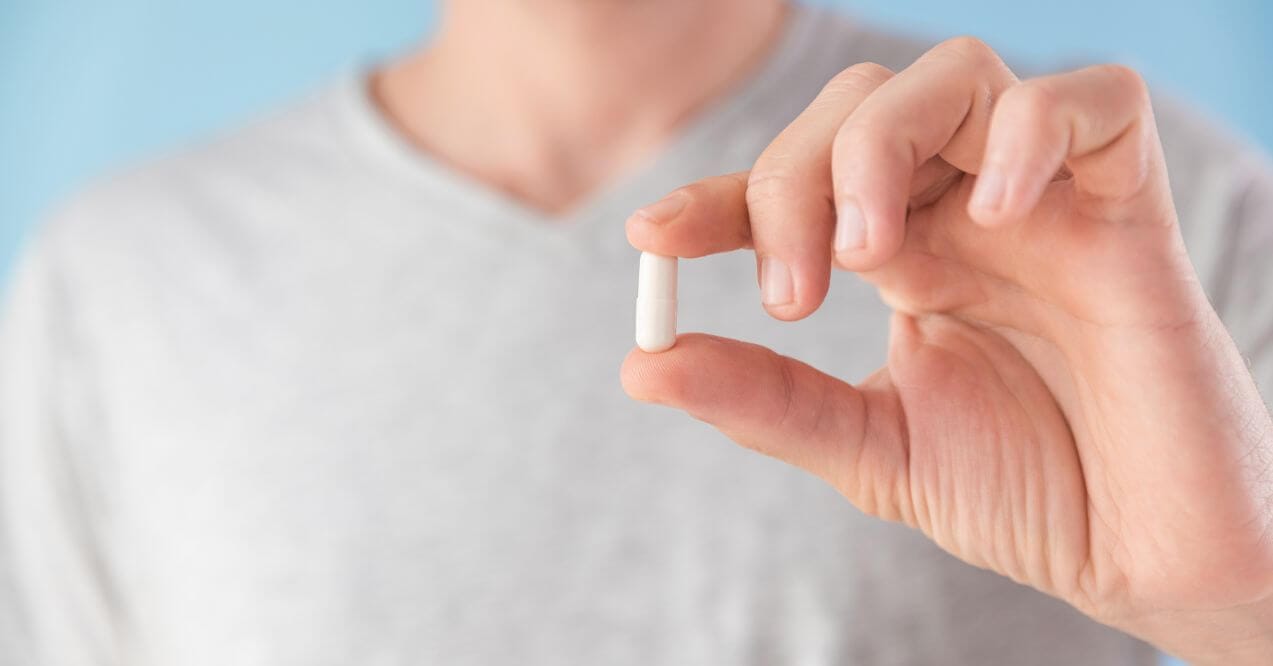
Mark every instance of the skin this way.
pixel 549 101
pixel 1060 404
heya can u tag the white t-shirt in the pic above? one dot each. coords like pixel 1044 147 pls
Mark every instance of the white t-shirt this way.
pixel 303 396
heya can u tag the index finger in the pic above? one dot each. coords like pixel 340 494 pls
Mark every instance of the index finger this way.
pixel 702 218
pixel 782 207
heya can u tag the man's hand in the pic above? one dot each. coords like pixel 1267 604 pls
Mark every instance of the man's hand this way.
pixel 1061 404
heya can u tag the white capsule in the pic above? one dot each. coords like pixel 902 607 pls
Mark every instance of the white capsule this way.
pixel 656 303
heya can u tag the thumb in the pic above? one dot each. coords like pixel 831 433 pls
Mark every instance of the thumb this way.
pixel 853 438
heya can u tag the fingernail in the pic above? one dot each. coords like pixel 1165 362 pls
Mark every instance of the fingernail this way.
pixel 850 227
pixel 664 209
pixel 775 282
pixel 988 192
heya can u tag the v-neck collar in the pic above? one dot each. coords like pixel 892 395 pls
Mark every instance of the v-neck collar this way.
pixel 700 133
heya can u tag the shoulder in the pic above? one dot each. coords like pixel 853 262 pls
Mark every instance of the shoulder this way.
pixel 253 159
pixel 211 201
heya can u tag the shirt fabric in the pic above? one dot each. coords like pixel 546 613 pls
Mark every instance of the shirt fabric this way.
pixel 302 395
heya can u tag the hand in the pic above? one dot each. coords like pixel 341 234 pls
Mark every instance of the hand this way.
pixel 1061 404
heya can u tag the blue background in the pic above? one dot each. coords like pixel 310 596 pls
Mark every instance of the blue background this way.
pixel 88 84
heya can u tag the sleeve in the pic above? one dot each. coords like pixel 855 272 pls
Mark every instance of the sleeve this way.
pixel 1244 293
pixel 56 606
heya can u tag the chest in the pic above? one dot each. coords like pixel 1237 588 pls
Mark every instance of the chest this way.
pixel 427 453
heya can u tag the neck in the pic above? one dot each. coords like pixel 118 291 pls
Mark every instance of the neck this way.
pixel 550 100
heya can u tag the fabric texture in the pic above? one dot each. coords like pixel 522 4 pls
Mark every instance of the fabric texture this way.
pixel 304 396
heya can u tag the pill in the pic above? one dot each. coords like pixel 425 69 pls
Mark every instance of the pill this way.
pixel 656 303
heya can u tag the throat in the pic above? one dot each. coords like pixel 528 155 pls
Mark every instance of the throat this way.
pixel 548 103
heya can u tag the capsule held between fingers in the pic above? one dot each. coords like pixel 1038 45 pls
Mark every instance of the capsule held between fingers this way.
pixel 656 303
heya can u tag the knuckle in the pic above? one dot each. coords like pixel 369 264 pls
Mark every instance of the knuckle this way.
pixel 862 77
pixel 872 70
pixel 970 48
pixel 1036 106
pixel 1127 81
pixel 787 381
pixel 1032 99
pixel 769 183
